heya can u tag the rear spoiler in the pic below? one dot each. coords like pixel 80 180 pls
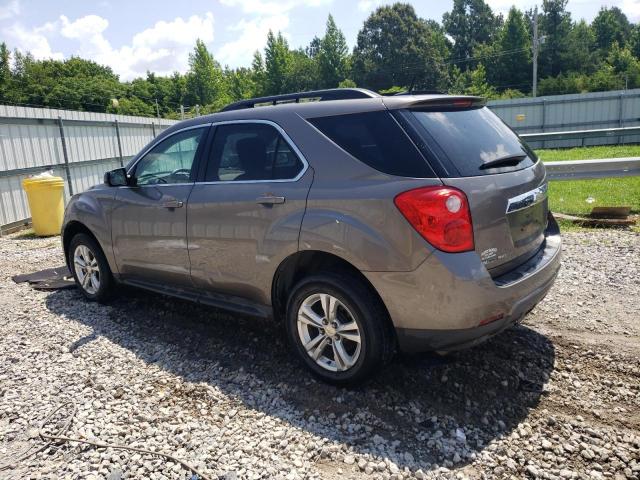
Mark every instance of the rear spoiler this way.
pixel 433 102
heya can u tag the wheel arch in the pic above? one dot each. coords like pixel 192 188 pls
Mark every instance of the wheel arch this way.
pixel 293 268
pixel 71 229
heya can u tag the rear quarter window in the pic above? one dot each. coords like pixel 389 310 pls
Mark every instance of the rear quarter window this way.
pixel 376 139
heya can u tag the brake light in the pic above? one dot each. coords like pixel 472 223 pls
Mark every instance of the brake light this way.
pixel 441 215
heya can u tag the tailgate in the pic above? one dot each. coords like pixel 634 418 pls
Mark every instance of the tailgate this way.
pixel 509 214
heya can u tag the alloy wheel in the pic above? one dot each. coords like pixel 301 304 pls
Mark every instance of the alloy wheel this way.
pixel 87 269
pixel 329 332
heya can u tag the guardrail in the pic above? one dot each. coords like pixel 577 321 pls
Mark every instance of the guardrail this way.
pixel 585 169
pixel 581 134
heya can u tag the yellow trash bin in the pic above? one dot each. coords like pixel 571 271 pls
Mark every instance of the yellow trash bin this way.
pixel 46 201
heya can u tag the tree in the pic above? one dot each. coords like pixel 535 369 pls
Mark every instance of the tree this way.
pixel 395 47
pixel 301 73
pixel 609 26
pixel 332 56
pixel 5 70
pixel 633 42
pixel 580 55
pixel 470 24
pixel 472 82
pixel 205 75
pixel 259 74
pixel 515 67
pixel 555 24
pixel 276 56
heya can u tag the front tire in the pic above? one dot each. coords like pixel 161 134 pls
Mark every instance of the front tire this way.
pixel 90 268
pixel 339 328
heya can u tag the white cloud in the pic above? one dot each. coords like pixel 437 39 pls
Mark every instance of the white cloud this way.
pixel 253 34
pixel 10 10
pixel 272 7
pixel 367 5
pixel 162 48
pixel 632 9
pixel 33 40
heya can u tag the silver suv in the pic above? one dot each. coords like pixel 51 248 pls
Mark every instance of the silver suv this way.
pixel 365 224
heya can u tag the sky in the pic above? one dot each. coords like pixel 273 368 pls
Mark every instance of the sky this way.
pixel 135 36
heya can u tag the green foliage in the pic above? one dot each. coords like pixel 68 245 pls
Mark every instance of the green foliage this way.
pixel 332 57
pixel 395 47
pixel 472 82
pixel 555 25
pixel 580 54
pixel 473 51
pixel 347 83
pixel 609 26
pixel 470 24
pixel 277 59
pixel 205 75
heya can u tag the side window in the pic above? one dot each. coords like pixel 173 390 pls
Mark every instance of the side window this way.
pixel 377 140
pixel 250 151
pixel 171 160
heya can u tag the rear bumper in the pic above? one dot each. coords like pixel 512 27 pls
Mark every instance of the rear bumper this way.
pixel 451 302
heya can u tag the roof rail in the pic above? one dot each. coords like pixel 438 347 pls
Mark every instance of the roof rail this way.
pixel 318 95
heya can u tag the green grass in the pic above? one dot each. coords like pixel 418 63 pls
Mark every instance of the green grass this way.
pixel 586 153
pixel 578 197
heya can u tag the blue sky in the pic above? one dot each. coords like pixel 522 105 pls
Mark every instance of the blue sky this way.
pixel 138 35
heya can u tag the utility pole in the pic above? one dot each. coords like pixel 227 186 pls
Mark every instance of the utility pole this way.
pixel 535 51
pixel 181 112
pixel 157 109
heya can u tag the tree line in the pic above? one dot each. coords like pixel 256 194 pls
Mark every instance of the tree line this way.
pixel 474 50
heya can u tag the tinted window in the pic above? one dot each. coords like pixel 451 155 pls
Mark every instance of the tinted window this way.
pixel 171 160
pixel 473 140
pixel 251 151
pixel 376 139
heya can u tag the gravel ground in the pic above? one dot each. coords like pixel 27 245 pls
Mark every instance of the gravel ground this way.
pixel 557 397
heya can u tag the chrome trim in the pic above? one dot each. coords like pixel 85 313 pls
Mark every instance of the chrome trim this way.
pixel 287 138
pixel 527 199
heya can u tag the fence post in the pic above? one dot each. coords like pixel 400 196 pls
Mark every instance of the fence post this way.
pixel 153 129
pixel 65 155
pixel 544 116
pixel 119 143
pixel 621 116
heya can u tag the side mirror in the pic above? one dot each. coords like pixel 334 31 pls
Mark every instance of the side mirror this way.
pixel 116 178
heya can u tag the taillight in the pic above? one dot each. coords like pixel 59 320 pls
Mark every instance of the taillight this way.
pixel 441 215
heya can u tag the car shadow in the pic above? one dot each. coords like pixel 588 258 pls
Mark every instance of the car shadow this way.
pixel 420 412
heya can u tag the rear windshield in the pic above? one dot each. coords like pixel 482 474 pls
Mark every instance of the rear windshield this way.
pixel 473 141
pixel 375 138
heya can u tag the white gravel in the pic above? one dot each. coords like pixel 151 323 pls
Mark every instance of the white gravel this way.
pixel 558 397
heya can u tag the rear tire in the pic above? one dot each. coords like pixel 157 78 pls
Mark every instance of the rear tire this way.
pixel 90 268
pixel 352 342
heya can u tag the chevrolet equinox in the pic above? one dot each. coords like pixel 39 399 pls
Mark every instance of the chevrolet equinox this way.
pixel 366 224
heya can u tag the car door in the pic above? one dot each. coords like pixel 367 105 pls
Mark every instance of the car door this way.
pixel 149 229
pixel 244 216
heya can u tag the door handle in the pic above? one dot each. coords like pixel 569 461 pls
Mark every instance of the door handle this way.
pixel 269 200
pixel 172 204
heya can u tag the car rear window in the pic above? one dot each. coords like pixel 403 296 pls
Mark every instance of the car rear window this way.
pixel 376 139
pixel 472 140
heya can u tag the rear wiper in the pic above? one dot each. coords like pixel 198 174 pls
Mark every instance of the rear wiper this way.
pixel 508 161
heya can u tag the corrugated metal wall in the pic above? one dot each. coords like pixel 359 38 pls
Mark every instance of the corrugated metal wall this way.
pixel 30 142
pixel 580 111
pixel 30 137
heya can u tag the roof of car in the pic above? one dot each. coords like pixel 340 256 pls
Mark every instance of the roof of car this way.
pixel 338 102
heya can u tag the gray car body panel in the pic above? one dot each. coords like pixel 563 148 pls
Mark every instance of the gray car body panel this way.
pixel 223 248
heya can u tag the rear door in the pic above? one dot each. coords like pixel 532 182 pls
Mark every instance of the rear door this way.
pixel 474 151
pixel 244 215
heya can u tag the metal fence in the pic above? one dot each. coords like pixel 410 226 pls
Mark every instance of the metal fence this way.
pixel 580 111
pixel 81 146
pixel 77 146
